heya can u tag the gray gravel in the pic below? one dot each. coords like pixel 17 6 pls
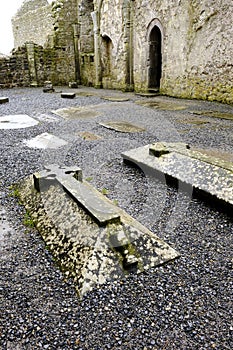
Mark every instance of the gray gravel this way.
pixel 184 304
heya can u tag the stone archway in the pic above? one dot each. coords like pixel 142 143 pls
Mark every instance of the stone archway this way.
pixel 154 57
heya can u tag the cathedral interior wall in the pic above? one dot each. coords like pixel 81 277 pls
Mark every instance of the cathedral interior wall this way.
pixel 112 44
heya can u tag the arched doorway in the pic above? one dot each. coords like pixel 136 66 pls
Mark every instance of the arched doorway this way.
pixel 155 59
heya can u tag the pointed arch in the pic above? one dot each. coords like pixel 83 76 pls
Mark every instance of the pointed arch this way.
pixel 154 58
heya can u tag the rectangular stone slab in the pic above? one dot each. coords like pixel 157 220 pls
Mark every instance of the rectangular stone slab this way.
pixel 68 95
pixel 203 173
pixel 89 252
pixel 4 100
pixel 81 192
pixel 90 200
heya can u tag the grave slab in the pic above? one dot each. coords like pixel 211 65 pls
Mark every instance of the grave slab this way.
pixel 4 100
pixel 82 193
pixel 122 126
pixel 88 136
pixel 68 95
pixel 44 141
pixel 72 113
pixel 18 121
pixel 204 172
pixel 115 98
pixel 93 240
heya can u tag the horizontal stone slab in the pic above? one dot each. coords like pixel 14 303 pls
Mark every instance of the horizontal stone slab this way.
pixel 17 121
pixel 44 141
pixel 68 95
pixel 82 193
pixel 210 174
pixel 88 251
pixel 72 113
pixel 122 126
pixel 4 100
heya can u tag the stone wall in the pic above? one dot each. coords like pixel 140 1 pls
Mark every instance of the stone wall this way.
pixel 14 71
pixel 32 22
pixel 65 17
pixel 181 48
pixel 29 65
pixel 196 49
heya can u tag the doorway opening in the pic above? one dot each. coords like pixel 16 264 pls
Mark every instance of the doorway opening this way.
pixel 155 59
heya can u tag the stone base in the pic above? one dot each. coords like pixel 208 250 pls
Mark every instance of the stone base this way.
pixel 203 172
pixel 90 252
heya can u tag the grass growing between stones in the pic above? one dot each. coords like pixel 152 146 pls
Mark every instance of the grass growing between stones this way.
pixel 28 220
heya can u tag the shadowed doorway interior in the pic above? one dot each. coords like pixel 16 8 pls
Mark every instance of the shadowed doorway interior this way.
pixel 155 59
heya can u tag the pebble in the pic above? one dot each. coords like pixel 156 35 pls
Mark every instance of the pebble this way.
pixel 183 305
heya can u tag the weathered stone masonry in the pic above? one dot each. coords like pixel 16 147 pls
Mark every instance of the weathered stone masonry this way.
pixel 181 47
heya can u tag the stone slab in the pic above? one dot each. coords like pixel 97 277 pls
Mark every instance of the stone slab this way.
pixel 102 211
pixel 122 126
pixel 89 136
pixel 214 114
pixel 115 98
pixel 89 252
pixel 209 174
pixel 44 141
pixel 4 100
pixel 73 113
pixel 18 121
pixel 68 95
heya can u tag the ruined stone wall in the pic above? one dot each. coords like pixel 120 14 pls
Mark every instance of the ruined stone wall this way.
pixel 108 43
pixel 29 65
pixel 112 45
pixel 14 71
pixel 32 22
pixel 197 47
pixel 64 16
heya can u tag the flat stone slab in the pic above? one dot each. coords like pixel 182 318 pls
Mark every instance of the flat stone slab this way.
pixel 162 105
pixel 73 113
pixel 214 114
pixel 44 141
pixel 89 250
pixel 88 136
pixel 115 98
pixel 4 100
pixel 68 95
pixel 81 192
pixel 122 126
pixel 18 121
pixel 210 174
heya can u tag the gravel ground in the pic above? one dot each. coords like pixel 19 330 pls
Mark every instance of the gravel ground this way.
pixel 184 304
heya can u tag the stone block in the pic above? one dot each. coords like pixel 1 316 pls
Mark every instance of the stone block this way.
pixel 73 85
pixel 4 100
pixel 48 86
pixel 68 95
pixel 209 174
pixel 92 239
